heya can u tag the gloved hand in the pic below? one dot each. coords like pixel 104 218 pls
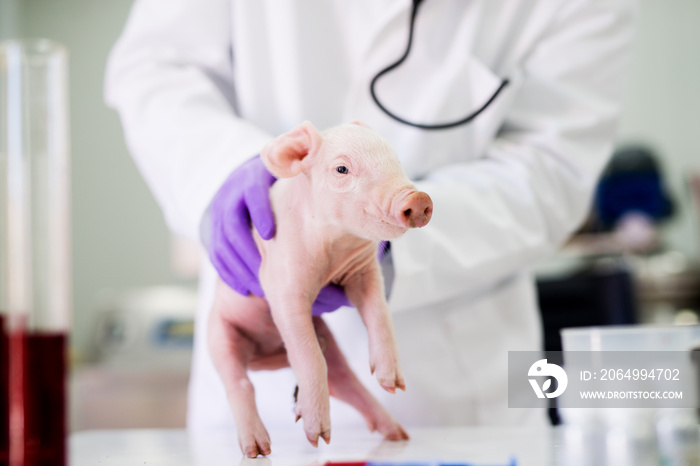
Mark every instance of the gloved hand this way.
pixel 244 198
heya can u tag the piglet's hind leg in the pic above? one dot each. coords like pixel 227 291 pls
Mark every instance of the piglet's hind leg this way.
pixel 231 351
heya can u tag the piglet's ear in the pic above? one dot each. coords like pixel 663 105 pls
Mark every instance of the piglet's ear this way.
pixel 360 123
pixel 285 155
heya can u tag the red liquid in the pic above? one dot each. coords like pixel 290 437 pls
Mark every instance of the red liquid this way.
pixel 4 396
pixel 38 365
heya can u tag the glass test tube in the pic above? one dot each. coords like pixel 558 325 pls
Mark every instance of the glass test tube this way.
pixel 34 250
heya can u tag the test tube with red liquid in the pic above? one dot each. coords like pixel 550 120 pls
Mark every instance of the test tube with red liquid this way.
pixel 34 252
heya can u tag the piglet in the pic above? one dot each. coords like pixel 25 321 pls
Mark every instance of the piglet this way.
pixel 339 193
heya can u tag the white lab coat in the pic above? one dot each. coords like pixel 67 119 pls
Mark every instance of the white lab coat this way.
pixel 202 85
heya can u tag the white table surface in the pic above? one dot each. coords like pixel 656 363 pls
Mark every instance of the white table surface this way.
pixel 473 446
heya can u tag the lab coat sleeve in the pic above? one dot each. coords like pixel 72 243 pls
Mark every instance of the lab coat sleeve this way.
pixel 169 78
pixel 496 216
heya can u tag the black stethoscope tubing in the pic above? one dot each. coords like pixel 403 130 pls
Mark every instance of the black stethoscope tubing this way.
pixel 452 124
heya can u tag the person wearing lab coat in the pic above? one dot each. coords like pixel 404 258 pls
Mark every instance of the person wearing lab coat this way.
pixel 201 86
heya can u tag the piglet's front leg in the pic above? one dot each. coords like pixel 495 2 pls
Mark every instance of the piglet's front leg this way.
pixel 291 313
pixel 365 289
pixel 345 386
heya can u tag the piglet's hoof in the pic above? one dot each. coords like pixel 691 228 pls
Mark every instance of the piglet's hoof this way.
pixel 379 420
pixel 254 440
pixel 315 415
pixel 388 374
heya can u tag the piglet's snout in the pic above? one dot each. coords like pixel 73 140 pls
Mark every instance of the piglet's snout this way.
pixel 415 211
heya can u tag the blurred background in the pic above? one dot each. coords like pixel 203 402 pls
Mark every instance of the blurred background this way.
pixel 635 260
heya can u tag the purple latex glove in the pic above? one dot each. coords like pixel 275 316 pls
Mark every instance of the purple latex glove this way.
pixel 244 198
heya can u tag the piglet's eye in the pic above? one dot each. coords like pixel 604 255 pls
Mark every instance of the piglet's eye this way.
pixel 342 169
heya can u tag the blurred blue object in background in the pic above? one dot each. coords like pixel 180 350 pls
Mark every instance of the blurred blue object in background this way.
pixel 632 182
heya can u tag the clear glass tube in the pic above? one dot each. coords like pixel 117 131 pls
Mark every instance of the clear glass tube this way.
pixel 35 245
